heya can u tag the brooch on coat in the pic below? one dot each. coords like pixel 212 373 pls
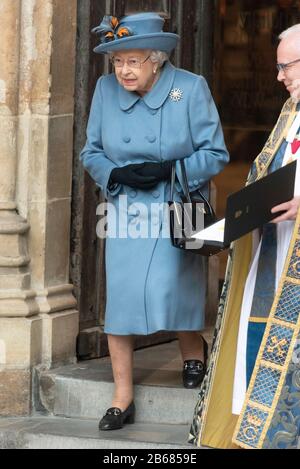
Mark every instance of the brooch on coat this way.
pixel 176 95
pixel 110 30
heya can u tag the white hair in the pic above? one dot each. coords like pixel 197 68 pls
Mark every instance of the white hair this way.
pixel 158 56
pixel 288 32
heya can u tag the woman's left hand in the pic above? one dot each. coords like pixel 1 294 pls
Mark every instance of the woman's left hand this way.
pixel 160 170
pixel 290 210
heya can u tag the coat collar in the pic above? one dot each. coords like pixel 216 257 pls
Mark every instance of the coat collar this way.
pixel 156 97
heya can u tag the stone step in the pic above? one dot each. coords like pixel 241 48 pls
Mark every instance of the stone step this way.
pixel 85 390
pixel 61 433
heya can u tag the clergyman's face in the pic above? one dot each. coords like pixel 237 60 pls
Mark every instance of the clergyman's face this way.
pixel 289 51
pixel 135 79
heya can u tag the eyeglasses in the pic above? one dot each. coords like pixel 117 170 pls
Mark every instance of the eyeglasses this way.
pixel 131 63
pixel 284 67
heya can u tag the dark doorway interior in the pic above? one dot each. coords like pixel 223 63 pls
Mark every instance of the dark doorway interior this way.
pixel 245 85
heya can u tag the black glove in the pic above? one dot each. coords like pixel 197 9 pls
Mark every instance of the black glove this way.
pixel 161 171
pixel 129 177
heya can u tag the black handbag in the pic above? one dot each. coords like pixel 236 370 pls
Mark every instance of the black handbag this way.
pixel 189 215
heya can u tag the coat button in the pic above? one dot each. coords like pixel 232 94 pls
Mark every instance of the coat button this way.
pixel 156 194
pixel 196 183
pixel 126 139
pixel 133 194
pixel 151 138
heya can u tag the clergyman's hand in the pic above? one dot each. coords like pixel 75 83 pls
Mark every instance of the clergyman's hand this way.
pixel 290 210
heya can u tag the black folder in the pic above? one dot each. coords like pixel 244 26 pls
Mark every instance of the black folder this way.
pixel 250 208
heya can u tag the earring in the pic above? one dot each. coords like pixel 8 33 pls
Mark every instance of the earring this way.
pixel 155 71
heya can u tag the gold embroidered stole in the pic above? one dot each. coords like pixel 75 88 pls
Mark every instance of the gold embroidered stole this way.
pixel 229 309
pixel 274 355
pixel 280 337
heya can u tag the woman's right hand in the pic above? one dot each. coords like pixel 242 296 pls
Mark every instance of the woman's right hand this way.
pixel 129 176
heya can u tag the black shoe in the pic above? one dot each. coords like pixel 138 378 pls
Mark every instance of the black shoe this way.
pixel 194 370
pixel 115 418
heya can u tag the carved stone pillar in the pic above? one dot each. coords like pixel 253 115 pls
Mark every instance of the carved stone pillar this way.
pixel 38 319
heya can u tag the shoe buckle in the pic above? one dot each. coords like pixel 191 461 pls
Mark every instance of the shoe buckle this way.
pixel 114 411
pixel 194 366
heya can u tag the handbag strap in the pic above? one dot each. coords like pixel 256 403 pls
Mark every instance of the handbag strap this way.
pixel 173 177
pixel 185 182
pixel 206 200
pixel 186 185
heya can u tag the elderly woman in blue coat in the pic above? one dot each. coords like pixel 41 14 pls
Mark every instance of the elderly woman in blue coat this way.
pixel 145 116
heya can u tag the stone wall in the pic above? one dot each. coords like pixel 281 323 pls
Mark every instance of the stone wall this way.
pixel 38 316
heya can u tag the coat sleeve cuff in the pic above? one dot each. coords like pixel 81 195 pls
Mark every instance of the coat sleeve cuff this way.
pixel 109 188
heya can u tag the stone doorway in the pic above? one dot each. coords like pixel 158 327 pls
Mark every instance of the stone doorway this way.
pixel 193 21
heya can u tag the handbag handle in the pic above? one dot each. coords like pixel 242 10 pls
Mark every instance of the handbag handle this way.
pixel 186 185
pixel 185 181
pixel 173 177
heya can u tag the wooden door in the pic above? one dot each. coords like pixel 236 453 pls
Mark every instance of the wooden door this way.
pixel 246 89
pixel 192 20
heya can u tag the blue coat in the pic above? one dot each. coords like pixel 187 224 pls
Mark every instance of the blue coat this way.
pixel 152 286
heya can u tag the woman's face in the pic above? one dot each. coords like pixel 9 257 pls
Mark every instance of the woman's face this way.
pixel 134 70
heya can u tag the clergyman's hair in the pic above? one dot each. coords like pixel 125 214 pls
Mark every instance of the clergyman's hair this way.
pixel 290 31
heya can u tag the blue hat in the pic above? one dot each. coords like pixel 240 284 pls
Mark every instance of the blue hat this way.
pixel 138 31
